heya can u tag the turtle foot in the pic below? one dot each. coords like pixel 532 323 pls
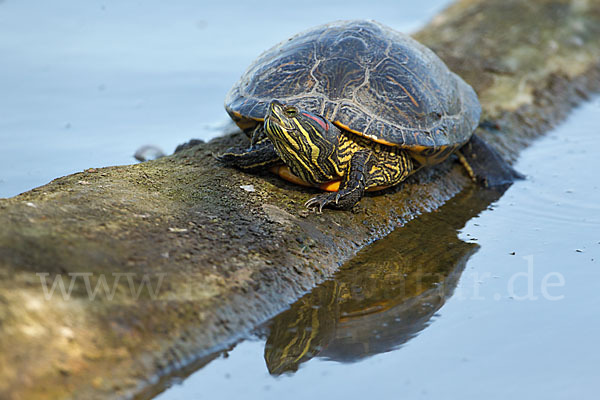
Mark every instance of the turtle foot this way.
pixel 322 200
pixel 485 166
pixel 258 157
pixel 341 200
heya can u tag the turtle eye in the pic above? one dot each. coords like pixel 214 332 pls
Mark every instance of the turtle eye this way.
pixel 290 111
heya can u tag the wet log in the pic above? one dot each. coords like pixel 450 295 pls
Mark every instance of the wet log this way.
pixel 113 277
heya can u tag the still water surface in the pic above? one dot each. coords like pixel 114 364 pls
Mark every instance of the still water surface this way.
pixel 486 298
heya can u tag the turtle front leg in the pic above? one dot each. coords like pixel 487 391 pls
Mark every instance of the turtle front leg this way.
pixel 260 156
pixel 367 169
pixel 258 135
pixel 352 188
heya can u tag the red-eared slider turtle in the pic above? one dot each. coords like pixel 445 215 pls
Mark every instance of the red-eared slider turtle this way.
pixel 352 106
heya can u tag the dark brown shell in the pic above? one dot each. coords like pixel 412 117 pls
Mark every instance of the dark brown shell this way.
pixel 366 78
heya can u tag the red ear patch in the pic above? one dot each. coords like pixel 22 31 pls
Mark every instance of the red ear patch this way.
pixel 318 120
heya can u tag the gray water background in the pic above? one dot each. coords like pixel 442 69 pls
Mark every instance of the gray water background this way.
pixel 85 83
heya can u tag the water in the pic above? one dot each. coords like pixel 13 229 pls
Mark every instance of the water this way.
pixel 487 298
pixel 85 83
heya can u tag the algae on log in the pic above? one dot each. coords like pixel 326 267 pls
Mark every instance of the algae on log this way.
pixel 167 260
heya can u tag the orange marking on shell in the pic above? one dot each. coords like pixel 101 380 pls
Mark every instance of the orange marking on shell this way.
pixel 418 148
pixel 244 122
pixel 235 114
pixel 286 64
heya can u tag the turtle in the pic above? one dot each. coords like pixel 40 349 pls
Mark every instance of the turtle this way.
pixel 352 106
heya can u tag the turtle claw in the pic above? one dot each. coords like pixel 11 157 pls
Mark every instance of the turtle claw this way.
pixel 337 198
pixel 342 199
pixel 321 201
pixel 230 157
pixel 256 158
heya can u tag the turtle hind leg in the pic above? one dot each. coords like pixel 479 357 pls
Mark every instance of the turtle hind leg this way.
pixel 258 157
pixel 485 166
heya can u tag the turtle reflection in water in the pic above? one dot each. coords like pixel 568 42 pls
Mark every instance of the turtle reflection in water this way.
pixel 384 296
pixel 353 106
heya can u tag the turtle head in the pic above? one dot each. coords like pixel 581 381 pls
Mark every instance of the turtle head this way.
pixel 306 142
pixel 291 120
pixel 281 116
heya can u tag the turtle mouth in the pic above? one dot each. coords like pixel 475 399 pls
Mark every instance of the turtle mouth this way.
pixel 273 126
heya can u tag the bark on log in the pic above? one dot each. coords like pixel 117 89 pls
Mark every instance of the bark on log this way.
pixel 226 258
